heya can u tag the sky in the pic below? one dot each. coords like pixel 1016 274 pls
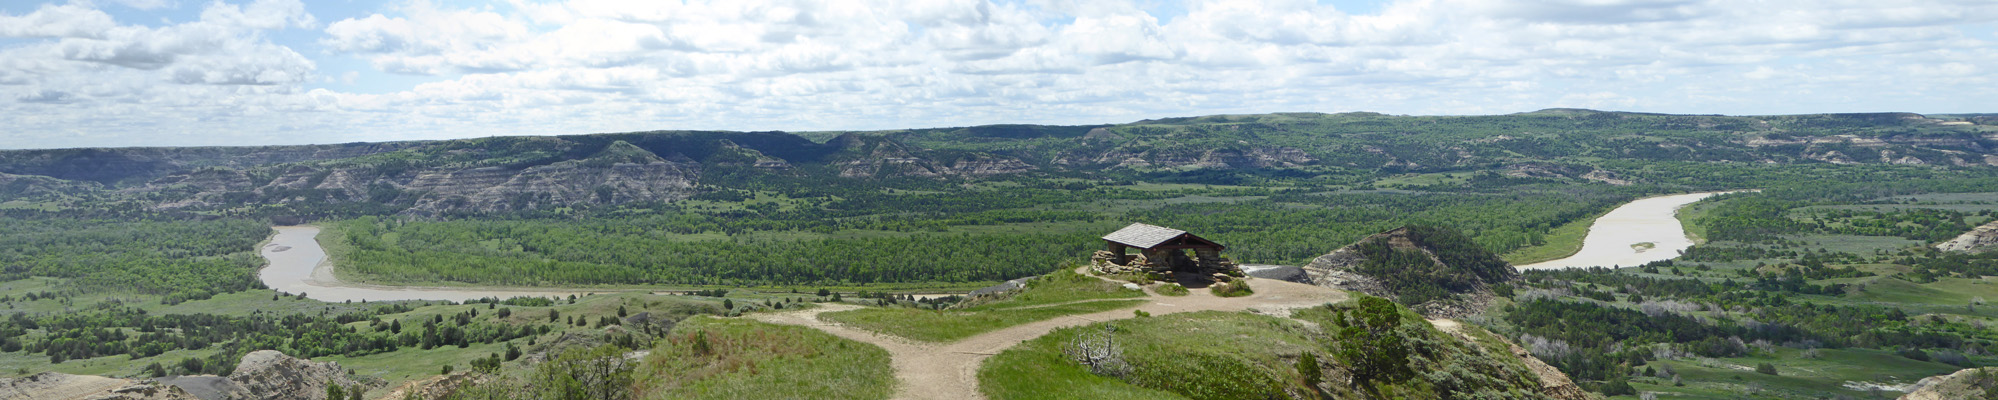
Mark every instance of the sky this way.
pixel 116 73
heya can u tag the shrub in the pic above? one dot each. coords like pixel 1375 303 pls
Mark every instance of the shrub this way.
pixel 1617 387
pixel 1238 288
pixel 1099 352
pixel 1172 289
pixel 1915 354
pixel 1765 369
pixel 1307 367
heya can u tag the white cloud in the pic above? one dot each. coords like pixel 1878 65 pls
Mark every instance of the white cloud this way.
pixel 260 14
pixel 554 66
pixel 57 21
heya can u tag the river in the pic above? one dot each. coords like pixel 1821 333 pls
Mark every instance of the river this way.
pixel 1633 234
pixel 1639 232
pixel 299 265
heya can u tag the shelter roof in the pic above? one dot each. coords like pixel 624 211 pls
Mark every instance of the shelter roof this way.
pixel 1143 236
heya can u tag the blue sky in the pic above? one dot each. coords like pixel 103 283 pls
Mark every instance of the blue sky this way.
pixel 240 72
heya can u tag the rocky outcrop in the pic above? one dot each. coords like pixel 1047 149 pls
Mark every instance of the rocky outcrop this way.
pixel 1973 383
pixel 59 386
pixel 981 165
pixel 1560 171
pixel 1605 176
pixel 435 387
pixel 1978 240
pixel 207 387
pixel 270 375
pixel 1443 259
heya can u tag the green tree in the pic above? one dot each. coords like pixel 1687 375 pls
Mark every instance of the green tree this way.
pixel 333 391
pixel 1369 342
pixel 1617 387
pixel 1307 367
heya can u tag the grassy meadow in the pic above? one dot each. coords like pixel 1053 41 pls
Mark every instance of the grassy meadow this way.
pixel 725 358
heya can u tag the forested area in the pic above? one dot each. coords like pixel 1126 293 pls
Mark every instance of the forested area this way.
pixel 793 248
pixel 181 259
pixel 541 253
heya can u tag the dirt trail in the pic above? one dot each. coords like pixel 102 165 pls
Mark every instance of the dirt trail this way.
pixel 950 370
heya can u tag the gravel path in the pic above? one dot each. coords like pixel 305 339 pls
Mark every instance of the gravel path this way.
pixel 950 370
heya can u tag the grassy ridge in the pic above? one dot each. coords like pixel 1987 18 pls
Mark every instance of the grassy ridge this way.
pixel 719 358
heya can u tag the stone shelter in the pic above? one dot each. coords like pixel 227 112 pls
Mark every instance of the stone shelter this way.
pixel 1160 249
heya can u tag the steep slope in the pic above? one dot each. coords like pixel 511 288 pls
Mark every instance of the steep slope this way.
pixel 1434 270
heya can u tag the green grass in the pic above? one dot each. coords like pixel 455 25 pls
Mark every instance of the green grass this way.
pixel 1562 241
pixel 1690 215
pixel 1172 289
pixel 1204 353
pixel 411 363
pixel 745 359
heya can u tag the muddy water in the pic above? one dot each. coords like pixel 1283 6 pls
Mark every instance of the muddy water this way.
pixel 299 265
pixel 1642 231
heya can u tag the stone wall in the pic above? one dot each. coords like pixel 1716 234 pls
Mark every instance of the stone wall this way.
pixel 1105 262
